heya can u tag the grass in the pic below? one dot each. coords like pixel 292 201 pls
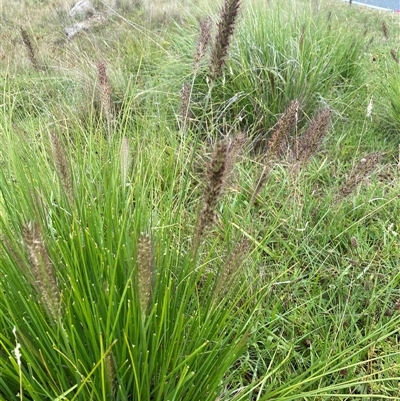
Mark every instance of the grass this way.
pixel 236 239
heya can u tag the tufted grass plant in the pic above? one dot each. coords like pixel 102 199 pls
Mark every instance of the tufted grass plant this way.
pixel 279 52
pixel 137 317
pixel 147 253
pixel 252 309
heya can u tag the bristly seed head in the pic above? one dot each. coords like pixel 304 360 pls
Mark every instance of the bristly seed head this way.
pixel 226 26
pixel 43 275
pixel 29 48
pixel 110 372
pixel 62 165
pixel 105 93
pixel 185 106
pixel 393 53
pixel 278 144
pixel 359 174
pixel 218 172
pixel 354 242
pixel 145 270
pixel 202 43
pixel 216 178
pixel 233 264
pixel 309 142
pixel 385 30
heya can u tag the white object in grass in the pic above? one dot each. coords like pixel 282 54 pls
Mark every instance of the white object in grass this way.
pixel 17 351
pixel 82 9
pixel 369 108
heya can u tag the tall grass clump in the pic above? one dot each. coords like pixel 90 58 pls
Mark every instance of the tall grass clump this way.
pixel 141 262
pixel 112 290
pixel 390 86
pixel 281 54
pixel 107 302
pixel 277 53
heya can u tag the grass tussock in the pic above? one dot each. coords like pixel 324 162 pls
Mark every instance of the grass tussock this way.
pixel 213 214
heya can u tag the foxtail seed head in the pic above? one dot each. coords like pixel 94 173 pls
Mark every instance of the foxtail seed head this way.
pixel 226 26
pixel 144 266
pixel 43 275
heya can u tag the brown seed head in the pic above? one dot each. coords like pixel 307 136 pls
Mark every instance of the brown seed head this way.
pixel 385 30
pixel 105 92
pixel 110 372
pixel 42 275
pixel 226 26
pixel 233 264
pixel 360 173
pixel 62 165
pixel 202 43
pixel 393 53
pixel 278 144
pixel 216 179
pixel 235 146
pixel 185 105
pixel 397 305
pixel 29 48
pixel 144 266
pixel 309 142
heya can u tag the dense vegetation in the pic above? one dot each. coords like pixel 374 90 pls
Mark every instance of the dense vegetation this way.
pixel 200 202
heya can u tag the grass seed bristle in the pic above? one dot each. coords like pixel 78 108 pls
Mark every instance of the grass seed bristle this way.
pixel 359 174
pixel 309 142
pixel 29 48
pixel 278 144
pixel 62 165
pixel 43 275
pixel 202 43
pixel 226 26
pixel 144 266
pixel 105 93
pixel 216 179
pixel 233 264
pixel 185 106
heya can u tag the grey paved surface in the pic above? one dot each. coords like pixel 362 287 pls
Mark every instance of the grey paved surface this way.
pixel 391 4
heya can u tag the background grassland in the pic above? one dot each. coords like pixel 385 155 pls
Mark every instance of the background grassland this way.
pixel 164 238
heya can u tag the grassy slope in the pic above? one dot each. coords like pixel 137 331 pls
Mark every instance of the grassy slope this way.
pixel 327 322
